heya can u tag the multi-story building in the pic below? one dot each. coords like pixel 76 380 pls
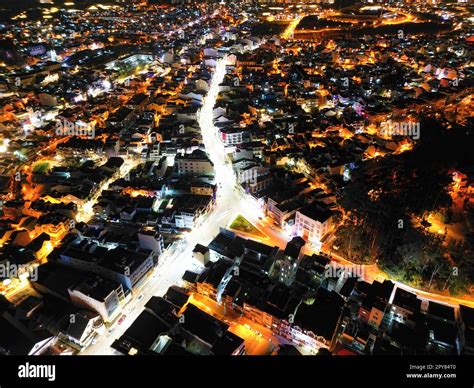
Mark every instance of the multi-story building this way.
pixel 196 163
pixel 313 222
pixel 232 136
pixel 100 295
pixel 404 306
pixel 281 208
pixel 151 241
pixel 120 265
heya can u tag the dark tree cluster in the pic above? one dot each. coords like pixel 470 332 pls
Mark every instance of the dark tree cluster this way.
pixel 389 193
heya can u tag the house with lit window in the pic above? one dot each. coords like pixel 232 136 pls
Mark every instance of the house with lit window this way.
pixel 404 306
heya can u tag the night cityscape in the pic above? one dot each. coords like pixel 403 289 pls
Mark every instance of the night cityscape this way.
pixel 237 178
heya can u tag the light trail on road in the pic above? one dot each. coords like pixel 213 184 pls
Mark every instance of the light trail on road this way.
pixel 86 212
pixel 176 260
pixel 290 30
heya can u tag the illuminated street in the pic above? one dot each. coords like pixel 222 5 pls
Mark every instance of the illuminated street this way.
pixel 258 339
